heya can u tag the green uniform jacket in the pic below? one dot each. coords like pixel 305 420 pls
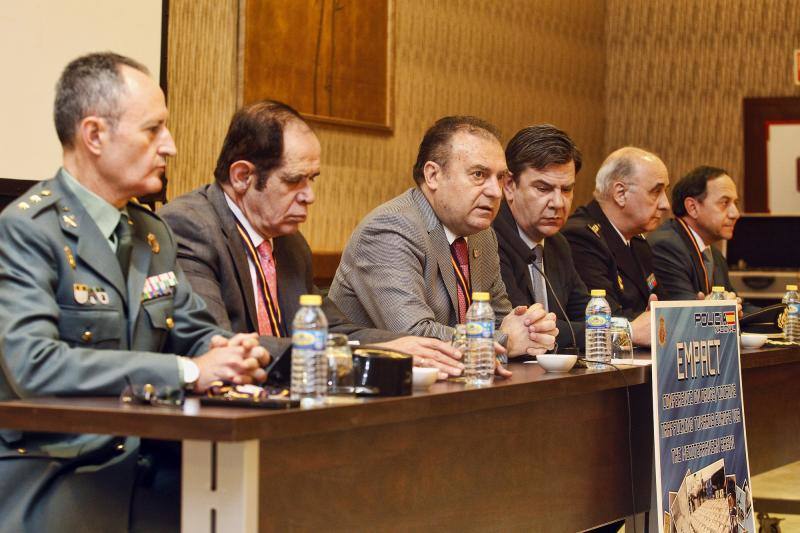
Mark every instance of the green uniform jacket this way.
pixel 71 325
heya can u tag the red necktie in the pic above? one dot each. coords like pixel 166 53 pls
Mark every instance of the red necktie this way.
pixel 268 266
pixel 461 255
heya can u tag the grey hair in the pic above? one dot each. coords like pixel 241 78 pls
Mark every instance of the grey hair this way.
pixel 621 165
pixel 90 85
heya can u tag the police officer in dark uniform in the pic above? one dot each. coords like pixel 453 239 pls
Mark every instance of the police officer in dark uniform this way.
pixel 606 235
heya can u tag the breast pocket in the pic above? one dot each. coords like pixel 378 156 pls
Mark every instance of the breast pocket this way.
pixel 98 328
pixel 159 317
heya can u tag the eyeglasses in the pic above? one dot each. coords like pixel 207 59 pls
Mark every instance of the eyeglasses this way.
pixel 148 394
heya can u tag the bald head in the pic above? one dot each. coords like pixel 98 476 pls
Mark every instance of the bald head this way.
pixel 625 165
pixel 631 188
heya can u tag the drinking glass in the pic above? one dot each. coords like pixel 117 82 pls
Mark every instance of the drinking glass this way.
pixel 340 364
pixel 459 342
pixel 621 338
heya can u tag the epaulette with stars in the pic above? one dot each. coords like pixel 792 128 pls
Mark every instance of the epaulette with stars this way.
pixel 35 202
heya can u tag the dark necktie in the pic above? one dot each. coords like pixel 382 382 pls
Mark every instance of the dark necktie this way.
pixel 461 256
pixel 124 243
pixel 539 290
pixel 708 261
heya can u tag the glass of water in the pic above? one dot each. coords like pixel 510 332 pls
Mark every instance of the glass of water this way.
pixel 459 342
pixel 621 338
pixel 340 364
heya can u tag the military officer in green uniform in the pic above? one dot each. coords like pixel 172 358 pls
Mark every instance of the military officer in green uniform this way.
pixel 91 296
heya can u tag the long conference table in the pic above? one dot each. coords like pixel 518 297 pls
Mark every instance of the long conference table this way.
pixel 536 452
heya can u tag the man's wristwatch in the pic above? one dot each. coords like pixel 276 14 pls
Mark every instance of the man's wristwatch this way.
pixel 190 372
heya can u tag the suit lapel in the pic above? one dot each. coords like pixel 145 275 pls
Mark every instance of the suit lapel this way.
pixel 477 276
pixel 720 277
pixel 696 261
pixel 441 248
pixel 286 276
pixel 553 273
pixel 640 251
pixel 517 251
pixel 623 254
pixel 92 248
pixel 237 252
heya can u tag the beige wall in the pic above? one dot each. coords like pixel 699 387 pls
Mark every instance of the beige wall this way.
pixel 515 63
pixel 678 70
pixel 37 40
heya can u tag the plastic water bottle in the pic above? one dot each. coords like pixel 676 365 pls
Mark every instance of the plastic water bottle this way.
pixel 309 361
pixel 479 359
pixel 717 293
pixel 598 330
pixel 791 328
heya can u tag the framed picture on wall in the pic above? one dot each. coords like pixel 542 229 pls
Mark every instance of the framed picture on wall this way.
pixel 332 60
pixel 772 155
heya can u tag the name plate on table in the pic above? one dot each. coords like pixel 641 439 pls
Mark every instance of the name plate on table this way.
pixel 702 470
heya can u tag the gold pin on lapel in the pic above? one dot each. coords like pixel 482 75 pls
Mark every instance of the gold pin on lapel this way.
pixel 70 220
pixel 153 242
pixel 23 205
pixel 70 257
pixel 595 228
pixel 619 282
pixel 476 253
pixel 35 198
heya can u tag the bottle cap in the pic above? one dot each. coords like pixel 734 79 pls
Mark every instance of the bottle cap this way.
pixel 791 287
pixel 480 296
pixel 599 292
pixel 310 299
pixel 717 288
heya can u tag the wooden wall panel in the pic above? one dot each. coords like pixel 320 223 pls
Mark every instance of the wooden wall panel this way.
pixel 514 63
pixel 678 70
pixel 202 78
pixel 337 70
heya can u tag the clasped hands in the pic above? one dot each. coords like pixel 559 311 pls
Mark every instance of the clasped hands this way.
pixel 239 360
pixel 531 330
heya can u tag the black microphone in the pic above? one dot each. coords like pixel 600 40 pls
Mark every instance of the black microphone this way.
pixel 575 348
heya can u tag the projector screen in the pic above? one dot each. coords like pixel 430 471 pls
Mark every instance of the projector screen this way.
pixel 37 39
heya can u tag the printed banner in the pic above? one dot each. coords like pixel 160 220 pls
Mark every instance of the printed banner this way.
pixel 702 471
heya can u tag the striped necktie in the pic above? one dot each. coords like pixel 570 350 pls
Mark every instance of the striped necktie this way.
pixel 460 254
pixel 539 290
pixel 268 266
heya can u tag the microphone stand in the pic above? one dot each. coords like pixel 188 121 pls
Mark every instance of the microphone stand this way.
pixel 574 350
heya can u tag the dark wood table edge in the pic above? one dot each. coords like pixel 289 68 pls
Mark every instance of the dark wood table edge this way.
pixel 239 424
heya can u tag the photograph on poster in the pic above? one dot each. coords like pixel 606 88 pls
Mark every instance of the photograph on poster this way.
pixel 742 510
pixel 708 500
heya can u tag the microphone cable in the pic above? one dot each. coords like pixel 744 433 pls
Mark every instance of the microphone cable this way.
pixel 630 439
pixel 624 380
pixel 560 307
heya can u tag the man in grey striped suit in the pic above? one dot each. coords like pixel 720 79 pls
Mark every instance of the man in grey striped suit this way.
pixel 413 262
